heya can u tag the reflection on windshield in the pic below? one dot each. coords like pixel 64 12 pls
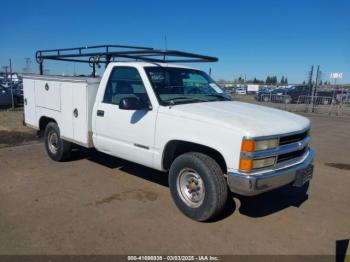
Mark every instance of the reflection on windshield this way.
pixel 181 85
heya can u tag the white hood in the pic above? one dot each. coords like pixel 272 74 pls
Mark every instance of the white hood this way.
pixel 251 120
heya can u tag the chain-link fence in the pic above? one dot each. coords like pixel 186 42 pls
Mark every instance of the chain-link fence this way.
pixel 336 105
pixel 277 101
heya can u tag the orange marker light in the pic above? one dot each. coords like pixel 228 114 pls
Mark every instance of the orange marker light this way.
pixel 248 146
pixel 246 164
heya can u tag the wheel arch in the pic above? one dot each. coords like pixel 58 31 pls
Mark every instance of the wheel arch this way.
pixel 43 122
pixel 174 148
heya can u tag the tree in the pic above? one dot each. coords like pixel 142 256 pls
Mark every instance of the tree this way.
pixel 274 80
pixel 286 81
pixel 282 80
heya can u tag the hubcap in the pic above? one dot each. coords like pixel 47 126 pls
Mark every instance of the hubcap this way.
pixel 53 142
pixel 190 187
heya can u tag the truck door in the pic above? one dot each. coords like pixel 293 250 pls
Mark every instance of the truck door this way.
pixel 128 134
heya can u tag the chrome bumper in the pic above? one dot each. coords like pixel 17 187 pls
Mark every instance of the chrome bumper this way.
pixel 250 185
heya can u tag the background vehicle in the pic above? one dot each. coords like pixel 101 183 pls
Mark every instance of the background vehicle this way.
pixel 241 91
pixel 343 97
pixel 171 118
pixel 5 97
pixel 286 95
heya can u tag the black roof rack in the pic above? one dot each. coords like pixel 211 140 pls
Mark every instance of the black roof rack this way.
pixel 104 54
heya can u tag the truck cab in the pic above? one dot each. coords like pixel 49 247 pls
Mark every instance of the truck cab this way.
pixel 175 119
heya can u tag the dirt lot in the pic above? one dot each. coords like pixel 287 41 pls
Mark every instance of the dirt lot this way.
pixel 96 204
pixel 12 131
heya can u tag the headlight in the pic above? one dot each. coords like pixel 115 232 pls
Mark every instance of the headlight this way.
pixel 266 144
pixel 247 164
pixel 252 145
pixel 264 162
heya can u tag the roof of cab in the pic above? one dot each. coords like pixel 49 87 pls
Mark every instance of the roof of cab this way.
pixel 148 64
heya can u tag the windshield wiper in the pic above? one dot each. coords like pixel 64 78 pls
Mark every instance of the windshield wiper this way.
pixel 190 99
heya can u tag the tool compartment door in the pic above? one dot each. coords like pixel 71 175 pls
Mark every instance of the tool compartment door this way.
pixel 29 102
pixel 79 113
pixel 48 94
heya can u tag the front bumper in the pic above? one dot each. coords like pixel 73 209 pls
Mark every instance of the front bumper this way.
pixel 250 185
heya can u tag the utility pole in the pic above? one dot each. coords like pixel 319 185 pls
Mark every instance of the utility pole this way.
pixel 314 89
pixel 310 79
pixel 11 86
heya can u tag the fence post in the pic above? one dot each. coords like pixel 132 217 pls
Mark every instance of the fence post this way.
pixel 11 86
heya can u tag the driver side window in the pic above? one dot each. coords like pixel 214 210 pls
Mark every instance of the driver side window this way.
pixel 124 82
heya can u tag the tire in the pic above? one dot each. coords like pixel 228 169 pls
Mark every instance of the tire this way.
pixel 58 149
pixel 211 186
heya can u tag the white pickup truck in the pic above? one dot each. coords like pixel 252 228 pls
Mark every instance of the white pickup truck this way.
pixel 175 119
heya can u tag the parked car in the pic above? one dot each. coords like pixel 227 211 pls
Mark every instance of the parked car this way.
pixel 344 97
pixel 5 97
pixel 286 95
pixel 241 91
pixel 174 119
pixel 275 95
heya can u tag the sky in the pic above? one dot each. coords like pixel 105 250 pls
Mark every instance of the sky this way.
pixel 252 38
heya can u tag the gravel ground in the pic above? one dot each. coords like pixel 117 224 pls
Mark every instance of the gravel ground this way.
pixel 97 204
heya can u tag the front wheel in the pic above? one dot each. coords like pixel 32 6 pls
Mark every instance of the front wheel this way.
pixel 197 186
pixel 57 148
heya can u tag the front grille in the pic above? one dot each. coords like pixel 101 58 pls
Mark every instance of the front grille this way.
pixel 291 155
pixel 292 138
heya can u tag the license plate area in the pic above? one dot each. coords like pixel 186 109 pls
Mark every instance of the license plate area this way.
pixel 303 175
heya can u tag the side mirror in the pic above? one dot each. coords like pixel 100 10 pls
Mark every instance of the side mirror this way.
pixel 132 103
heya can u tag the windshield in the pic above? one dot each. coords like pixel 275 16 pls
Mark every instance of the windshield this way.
pixel 181 85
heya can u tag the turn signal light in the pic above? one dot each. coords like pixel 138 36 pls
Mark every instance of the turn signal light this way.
pixel 248 146
pixel 246 164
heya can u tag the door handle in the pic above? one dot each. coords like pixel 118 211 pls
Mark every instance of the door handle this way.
pixel 75 113
pixel 100 113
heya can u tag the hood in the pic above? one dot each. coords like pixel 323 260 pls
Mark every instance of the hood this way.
pixel 252 120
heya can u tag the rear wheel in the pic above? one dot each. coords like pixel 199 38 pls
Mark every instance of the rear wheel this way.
pixel 57 148
pixel 197 186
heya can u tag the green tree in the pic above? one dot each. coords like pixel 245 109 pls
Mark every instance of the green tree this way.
pixel 274 80
pixel 286 81
pixel 282 80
